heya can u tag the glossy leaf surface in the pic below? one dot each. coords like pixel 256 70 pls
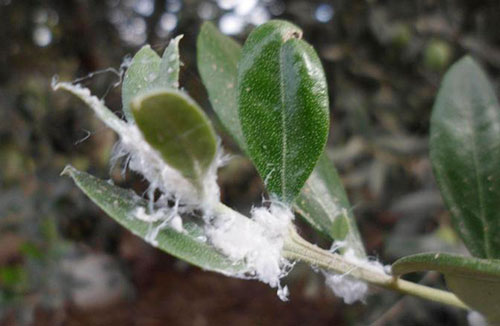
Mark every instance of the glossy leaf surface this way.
pixel 465 154
pixel 323 203
pixel 120 204
pixel 173 124
pixel 323 198
pixel 475 281
pixel 283 106
pixel 218 56
pixel 148 71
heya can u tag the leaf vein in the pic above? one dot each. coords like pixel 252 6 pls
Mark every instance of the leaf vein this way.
pixel 283 126
pixel 480 190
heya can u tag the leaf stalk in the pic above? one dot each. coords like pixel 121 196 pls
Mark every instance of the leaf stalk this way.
pixel 296 248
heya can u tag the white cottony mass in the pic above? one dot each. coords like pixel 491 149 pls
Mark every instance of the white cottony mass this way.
pixel 255 241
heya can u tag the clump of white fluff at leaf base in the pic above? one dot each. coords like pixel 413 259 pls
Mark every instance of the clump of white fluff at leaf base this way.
pixel 147 161
pixel 257 241
pixel 474 318
pixel 347 287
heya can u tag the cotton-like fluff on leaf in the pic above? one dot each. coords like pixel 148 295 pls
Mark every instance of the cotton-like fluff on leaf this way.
pixel 347 287
pixel 180 132
pixel 257 241
pixel 160 219
pixel 474 318
pixel 145 160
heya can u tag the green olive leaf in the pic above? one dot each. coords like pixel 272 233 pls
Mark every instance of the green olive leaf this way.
pixel 139 76
pixel 475 281
pixel 465 155
pixel 174 125
pixel 121 204
pixel 148 71
pixel 322 202
pixel 283 106
pixel 168 73
pixel 218 56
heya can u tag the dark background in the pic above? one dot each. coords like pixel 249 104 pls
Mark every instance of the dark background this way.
pixel 63 262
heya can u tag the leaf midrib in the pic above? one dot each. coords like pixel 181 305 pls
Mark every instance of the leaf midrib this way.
pixel 480 192
pixel 283 124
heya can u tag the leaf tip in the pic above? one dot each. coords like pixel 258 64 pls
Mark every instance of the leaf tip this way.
pixel 145 47
pixel 174 42
pixel 68 170
pixel 206 25
pixel 289 30
pixel 467 58
pixel 466 62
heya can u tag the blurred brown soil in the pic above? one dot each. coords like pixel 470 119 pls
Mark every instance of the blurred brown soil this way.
pixel 169 292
